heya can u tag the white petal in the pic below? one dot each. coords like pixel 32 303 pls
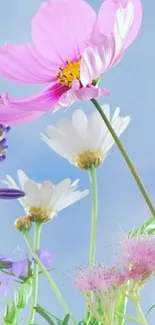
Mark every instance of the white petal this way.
pixel 95 131
pixel 106 110
pixel 116 114
pixel 74 197
pixel 10 182
pixel 46 190
pixel 79 120
pixel 33 193
pixel 22 178
pixel 60 191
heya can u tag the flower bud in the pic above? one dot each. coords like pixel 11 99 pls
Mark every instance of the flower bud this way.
pixel 23 223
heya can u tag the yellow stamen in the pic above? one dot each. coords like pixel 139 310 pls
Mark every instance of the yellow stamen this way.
pixel 87 159
pixel 69 73
pixel 39 214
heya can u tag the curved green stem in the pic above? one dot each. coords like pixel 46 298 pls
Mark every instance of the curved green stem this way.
pixel 141 317
pixel 126 157
pixel 47 275
pixel 37 233
pixel 93 184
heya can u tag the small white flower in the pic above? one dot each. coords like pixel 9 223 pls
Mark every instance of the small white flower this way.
pixel 43 201
pixel 85 140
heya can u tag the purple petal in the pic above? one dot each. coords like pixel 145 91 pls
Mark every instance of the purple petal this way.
pixel 2 158
pixel 10 193
pixel 46 258
pixel 20 268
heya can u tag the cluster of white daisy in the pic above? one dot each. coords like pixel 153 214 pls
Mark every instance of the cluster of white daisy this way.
pixel 85 142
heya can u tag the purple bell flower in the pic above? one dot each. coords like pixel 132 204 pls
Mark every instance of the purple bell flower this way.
pixel 20 268
pixel 46 258
pixel 23 269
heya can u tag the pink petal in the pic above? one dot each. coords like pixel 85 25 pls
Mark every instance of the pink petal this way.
pixel 107 18
pixel 13 116
pixel 137 20
pixel 43 101
pixel 97 59
pixel 23 63
pixel 91 65
pixel 84 93
pixel 87 93
pixel 68 98
pixel 61 28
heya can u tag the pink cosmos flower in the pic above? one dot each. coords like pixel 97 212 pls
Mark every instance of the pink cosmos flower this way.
pixel 72 47
pixel 11 115
pixel 139 257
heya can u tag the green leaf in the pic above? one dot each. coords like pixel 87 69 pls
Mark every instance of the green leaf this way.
pixel 93 321
pixel 21 297
pixel 143 228
pixel 150 310
pixel 11 314
pixel 66 320
pixel 59 321
pixel 44 314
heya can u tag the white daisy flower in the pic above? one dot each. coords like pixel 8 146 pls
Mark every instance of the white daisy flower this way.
pixel 43 201
pixel 85 140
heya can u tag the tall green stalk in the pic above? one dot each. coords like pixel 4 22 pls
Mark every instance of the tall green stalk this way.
pixel 49 278
pixel 141 317
pixel 126 157
pixel 37 233
pixel 93 184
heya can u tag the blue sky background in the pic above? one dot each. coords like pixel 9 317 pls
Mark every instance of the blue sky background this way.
pixel 120 203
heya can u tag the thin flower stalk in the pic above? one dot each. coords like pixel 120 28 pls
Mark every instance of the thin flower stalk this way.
pixel 93 183
pixel 141 317
pixel 126 157
pixel 49 278
pixel 37 233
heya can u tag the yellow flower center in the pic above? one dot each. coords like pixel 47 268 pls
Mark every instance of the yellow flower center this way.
pixel 69 73
pixel 87 159
pixel 40 214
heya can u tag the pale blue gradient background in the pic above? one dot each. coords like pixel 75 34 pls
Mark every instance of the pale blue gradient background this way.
pixel 121 205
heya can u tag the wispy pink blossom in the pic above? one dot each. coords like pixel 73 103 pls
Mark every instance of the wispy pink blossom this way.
pixel 139 257
pixel 72 47
pixel 10 114
pixel 99 278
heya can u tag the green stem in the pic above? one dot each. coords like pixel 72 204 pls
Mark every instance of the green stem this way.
pixel 51 281
pixel 141 317
pixel 126 157
pixel 93 184
pixel 37 233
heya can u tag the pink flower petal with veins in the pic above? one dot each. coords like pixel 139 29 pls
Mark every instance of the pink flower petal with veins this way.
pixel 45 100
pixel 64 31
pixel 60 29
pixel 107 18
pixel 23 63
pixel 11 116
pixel 84 93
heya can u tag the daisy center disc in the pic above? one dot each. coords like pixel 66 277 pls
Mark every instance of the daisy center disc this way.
pixel 87 159
pixel 69 73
